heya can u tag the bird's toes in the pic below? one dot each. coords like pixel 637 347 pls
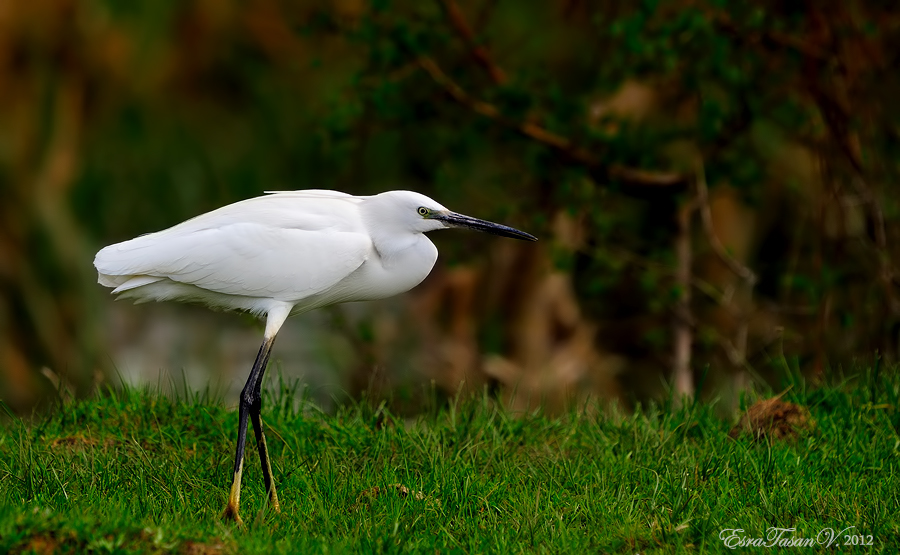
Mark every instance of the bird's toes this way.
pixel 231 513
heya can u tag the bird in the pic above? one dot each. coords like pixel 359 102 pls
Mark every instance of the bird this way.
pixel 283 254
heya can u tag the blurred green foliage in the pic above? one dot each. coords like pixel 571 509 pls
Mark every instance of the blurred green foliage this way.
pixel 518 112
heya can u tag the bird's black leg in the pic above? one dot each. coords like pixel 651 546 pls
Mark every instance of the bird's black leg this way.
pixel 248 400
pixel 261 444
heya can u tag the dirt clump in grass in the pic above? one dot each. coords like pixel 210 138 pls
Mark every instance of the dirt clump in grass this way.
pixel 39 544
pixel 773 419
pixel 81 443
pixel 196 548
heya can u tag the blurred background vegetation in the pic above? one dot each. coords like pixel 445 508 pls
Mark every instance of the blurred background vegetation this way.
pixel 711 182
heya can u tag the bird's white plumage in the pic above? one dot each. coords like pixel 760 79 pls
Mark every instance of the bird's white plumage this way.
pixel 303 248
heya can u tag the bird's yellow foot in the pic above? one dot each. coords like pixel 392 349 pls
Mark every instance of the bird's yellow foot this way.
pixel 234 496
pixel 273 502
pixel 231 513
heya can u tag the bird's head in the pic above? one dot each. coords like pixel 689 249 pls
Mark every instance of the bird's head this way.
pixel 418 213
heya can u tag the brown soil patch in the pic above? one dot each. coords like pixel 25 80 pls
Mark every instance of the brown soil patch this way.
pixel 774 419
pixel 39 544
pixel 197 548
pixel 81 443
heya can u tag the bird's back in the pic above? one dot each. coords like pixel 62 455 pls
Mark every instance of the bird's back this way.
pixel 284 246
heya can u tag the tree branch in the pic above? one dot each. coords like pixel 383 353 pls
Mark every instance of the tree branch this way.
pixel 770 38
pixel 535 132
pixel 683 324
pixel 480 53
pixel 739 269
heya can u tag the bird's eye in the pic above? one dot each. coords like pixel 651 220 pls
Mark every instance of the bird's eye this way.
pixel 422 211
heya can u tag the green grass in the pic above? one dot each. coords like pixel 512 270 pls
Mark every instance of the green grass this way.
pixel 136 472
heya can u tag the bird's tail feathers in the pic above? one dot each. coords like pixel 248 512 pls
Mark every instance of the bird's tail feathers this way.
pixel 124 283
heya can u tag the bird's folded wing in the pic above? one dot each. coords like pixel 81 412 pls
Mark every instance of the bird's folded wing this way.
pixel 249 259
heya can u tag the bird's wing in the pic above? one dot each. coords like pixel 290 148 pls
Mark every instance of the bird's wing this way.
pixel 251 259
pixel 311 193
pixel 248 259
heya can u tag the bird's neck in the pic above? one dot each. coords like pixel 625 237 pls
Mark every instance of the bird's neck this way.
pixel 392 249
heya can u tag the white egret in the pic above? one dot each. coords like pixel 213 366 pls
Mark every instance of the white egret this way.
pixel 282 254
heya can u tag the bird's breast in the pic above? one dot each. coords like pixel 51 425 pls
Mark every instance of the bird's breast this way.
pixel 385 274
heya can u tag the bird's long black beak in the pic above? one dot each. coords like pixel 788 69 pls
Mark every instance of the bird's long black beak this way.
pixel 453 219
